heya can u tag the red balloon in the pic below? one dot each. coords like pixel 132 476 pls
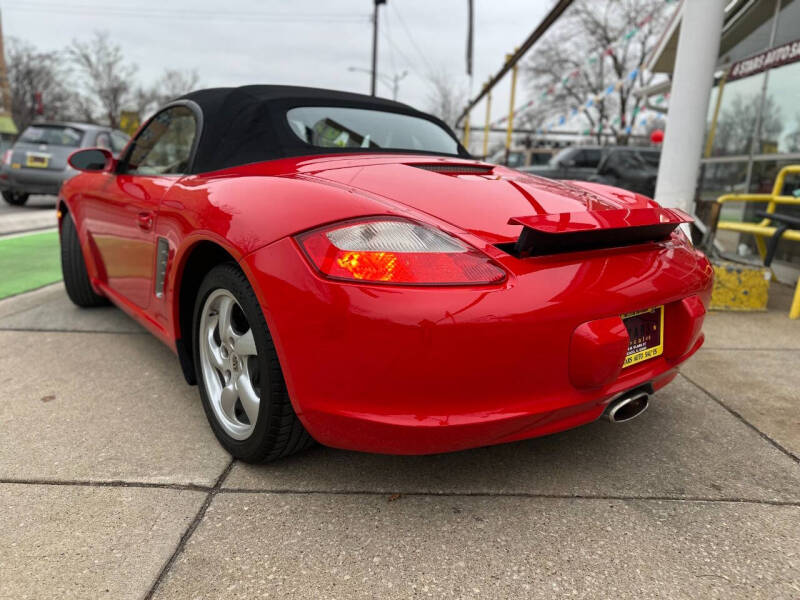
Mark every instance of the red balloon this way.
pixel 657 136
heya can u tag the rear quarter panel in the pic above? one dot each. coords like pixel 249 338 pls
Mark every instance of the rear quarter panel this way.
pixel 242 214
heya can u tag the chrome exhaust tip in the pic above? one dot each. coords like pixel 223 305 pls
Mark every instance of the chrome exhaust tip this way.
pixel 627 407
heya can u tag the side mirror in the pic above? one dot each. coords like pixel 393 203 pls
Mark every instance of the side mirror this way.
pixel 92 160
pixel 566 164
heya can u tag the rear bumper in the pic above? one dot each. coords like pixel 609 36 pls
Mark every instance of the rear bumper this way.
pixel 428 370
pixel 33 181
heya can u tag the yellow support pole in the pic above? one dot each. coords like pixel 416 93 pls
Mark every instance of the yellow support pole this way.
pixel 486 127
pixel 794 311
pixel 466 133
pixel 510 127
pixel 777 188
pixel 772 201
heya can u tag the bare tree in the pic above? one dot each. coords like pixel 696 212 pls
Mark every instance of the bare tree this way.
pixel 446 98
pixel 793 138
pixel 37 82
pixel 105 77
pixel 598 45
pixel 172 84
pixel 737 121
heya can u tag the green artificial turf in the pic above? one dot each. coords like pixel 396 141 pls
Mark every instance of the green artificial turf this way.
pixel 28 262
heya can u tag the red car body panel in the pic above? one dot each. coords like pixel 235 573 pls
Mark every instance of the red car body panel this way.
pixel 403 369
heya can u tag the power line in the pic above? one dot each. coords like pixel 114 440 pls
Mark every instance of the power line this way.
pixel 387 36
pixel 411 39
pixel 193 15
pixel 409 63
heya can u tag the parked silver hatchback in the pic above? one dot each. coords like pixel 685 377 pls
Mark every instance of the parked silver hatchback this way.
pixel 37 162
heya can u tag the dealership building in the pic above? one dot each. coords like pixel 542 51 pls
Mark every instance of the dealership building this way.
pixel 753 123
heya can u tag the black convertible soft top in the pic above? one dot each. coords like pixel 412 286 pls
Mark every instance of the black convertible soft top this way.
pixel 248 124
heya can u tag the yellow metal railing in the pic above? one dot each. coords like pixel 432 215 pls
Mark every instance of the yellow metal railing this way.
pixel 764 228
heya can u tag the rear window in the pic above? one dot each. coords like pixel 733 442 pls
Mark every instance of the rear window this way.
pixel 634 159
pixel 336 127
pixel 516 159
pixel 54 135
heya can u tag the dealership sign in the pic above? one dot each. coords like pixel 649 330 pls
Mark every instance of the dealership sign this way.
pixel 775 57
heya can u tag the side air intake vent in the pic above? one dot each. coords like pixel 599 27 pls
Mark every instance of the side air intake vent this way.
pixel 456 169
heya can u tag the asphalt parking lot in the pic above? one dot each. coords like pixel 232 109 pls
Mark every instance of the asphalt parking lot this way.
pixel 112 485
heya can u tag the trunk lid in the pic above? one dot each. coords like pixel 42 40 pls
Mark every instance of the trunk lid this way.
pixel 486 200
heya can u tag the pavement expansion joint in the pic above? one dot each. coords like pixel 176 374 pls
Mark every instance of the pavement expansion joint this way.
pixel 767 438
pixel 111 483
pixel 532 496
pixel 212 492
pixel 218 490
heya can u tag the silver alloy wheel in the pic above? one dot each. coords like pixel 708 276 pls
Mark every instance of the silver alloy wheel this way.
pixel 229 362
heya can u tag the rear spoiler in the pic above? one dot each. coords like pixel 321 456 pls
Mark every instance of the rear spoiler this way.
pixel 590 230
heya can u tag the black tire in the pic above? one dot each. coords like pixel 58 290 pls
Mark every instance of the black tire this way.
pixel 73 267
pixel 277 432
pixel 15 198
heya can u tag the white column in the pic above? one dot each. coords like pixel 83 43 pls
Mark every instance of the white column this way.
pixel 692 80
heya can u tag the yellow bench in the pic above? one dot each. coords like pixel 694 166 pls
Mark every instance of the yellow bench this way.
pixel 765 228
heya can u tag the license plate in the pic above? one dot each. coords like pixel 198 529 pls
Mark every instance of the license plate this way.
pixel 646 333
pixel 37 160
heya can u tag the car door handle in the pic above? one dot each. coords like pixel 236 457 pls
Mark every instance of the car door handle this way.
pixel 145 220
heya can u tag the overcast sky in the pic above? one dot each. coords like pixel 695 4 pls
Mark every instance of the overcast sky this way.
pixel 303 42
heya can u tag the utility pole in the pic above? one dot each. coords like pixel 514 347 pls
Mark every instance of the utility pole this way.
pixel 510 128
pixel 396 78
pixel 5 92
pixel 8 129
pixel 486 127
pixel 393 80
pixel 375 46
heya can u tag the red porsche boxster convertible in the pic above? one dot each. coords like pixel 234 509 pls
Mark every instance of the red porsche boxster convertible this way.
pixel 335 267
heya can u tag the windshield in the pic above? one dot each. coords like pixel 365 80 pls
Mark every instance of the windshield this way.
pixel 56 135
pixel 335 127
pixel 516 159
pixel 559 156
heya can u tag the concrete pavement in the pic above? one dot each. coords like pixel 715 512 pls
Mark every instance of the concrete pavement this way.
pixel 37 213
pixel 112 485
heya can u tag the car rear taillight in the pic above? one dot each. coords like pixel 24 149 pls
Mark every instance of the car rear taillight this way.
pixel 7 157
pixel 396 251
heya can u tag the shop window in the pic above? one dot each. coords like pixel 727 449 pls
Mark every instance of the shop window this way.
pixel 761 181
pixel 765 172
pixel 780 119
pixel 720 178
pixel 737 116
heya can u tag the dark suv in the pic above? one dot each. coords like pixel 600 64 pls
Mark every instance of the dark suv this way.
pixel 631 168
pixel 575 162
